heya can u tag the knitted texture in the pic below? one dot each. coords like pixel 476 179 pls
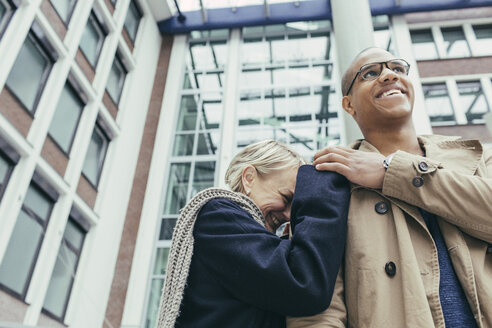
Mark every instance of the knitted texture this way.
pixel 181 251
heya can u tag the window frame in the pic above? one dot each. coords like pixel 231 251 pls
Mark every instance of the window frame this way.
pixel 40 186
pixel 140 16
pixel 98 127
pixel 84 227
pixel 42 45
pixel 80 95
pixel 119 62
pixel 6 179
pixel 102 31
pixel 10 8
pixel 71 8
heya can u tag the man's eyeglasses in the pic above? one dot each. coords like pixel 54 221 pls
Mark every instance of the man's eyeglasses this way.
pixel 372 71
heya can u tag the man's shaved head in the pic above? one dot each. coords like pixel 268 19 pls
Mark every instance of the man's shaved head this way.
pixel 351 70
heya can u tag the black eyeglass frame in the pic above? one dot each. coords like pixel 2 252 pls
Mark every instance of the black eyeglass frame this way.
pixel 381 65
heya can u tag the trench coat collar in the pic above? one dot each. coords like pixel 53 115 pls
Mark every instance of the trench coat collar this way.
pixel 452 152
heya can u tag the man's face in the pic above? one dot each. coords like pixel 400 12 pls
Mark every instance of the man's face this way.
pixel 387 99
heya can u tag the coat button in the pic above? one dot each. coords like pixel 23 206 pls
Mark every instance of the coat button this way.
pixel 381 207
pixel 423 166
pixel 390 269
pixel 418 181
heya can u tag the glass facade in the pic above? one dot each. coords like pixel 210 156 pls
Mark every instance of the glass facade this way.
pixel 483 39
pixel 287 86
pixel 66 118
pixel 6 167
pixel 25 241
pixel 438 104
pixel 132 20
pixel 58 293
pixel 94 159
pixel 29 73
pixel 92 40
pixel 455 42
pixel 424 47
pixel 63 8
pixel 472 100
pixel 116 80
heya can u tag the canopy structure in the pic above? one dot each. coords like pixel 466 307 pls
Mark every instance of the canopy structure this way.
pixel 182 16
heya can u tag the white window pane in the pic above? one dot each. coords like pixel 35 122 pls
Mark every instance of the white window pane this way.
pixel 89 44
pixel 94 157
pixel 61 281
pixel 255 52
pixel 26 75
pixel 38 202
pixel 483 43
pixel 455 42
pixel 472 99
pixel 115 81
pixel 74 235
pixel 66 117
pixel 423 44
pixel 203 177
pixel 161 261
pixel 21 253
pixel 177 188
pixel 187 114
pixel 437 103
pixel 62 7
pixel 131 21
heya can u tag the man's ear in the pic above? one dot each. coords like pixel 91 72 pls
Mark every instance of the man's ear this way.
pixel 347 105
pixel 248 177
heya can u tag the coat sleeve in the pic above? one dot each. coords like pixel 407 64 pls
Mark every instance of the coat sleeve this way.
pixel 461 199
pixel 333 317
pixel 290 277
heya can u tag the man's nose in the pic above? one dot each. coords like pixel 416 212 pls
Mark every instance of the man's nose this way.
pixel 286 212
pixel 388 75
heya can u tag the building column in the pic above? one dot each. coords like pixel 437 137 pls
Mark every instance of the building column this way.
pixel 403 46
pixel 352 24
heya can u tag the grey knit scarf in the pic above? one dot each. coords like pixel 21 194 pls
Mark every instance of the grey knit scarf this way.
pixel 179 260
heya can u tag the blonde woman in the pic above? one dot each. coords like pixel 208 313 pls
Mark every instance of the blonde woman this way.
pixel 228 268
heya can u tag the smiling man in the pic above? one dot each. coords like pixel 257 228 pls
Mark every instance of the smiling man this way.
pixel 418 250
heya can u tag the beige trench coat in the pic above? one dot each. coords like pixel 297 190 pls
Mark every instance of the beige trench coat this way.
pixel 457 187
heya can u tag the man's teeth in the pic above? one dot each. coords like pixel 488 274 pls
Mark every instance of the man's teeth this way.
pixel 275 221
pixel 391 92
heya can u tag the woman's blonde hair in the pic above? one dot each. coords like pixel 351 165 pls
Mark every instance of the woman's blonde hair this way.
pixel 265 156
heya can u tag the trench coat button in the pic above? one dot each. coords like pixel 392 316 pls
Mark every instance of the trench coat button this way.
pixel 418 181
pixel 390 269
pixel 381 207
pixel 423 166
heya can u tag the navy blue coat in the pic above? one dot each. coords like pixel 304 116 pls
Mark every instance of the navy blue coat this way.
pixel 242 275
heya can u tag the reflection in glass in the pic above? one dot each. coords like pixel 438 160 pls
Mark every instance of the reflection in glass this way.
pixel 483 42
pixel 61 281
pixel 472 100
pixel 153 306
pixel 116 80
pixel 167 227
pixel 437 103
pixel 132 20
pixel 455 42
pixel 183 144
pixel 207 143
pixel 424 47
pixel 91 41
pixel 203 177
pixel 67 114
pixel 187 114
pixel 161 260
pixel 27 75
pixel 177 188
pixel 62 7
pixel 94 158
pixel 211 114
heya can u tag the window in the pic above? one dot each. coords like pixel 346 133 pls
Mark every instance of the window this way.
pixel 23 248
pixel 30 72
pixel 60 286
pixel 93 39
pixel 423 44
pixel 66 118
pixel 438 103
pixel 96 153
pixel 6 10
pixel 472 100
pixel 132 20
pixel 8 159
pixel 483 43
pixel 455 43
pixel 64 8
pixel 116 79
